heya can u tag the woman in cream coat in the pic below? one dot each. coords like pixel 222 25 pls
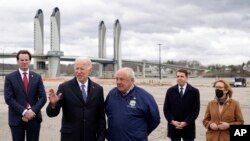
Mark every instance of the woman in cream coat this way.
pixel 221 112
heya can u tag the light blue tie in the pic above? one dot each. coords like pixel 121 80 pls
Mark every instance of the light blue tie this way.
pixel 84 95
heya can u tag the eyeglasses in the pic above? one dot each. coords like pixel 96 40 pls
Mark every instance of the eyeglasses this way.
pixel 219 87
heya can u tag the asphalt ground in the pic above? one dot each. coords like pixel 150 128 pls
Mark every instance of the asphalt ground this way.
pixel 50 127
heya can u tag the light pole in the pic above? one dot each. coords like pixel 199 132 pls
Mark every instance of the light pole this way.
pixel 159 61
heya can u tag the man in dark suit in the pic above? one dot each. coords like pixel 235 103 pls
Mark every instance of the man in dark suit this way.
pixel 24 93
pixel 181 108
pixel 82 103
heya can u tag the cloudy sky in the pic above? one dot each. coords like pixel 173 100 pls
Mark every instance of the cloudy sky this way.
pixel 211 32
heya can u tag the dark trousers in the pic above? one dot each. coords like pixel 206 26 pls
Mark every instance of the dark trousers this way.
pixel 179 139
pixel 31 129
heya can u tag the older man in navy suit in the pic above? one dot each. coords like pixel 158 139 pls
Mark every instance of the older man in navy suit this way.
pixel 25 95
pixel 82 103
pixel 181 108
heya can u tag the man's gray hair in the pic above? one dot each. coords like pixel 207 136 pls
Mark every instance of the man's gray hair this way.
pixel 130 72
pixel 85 59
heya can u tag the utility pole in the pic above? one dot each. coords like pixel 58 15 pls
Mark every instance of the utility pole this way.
pixel 159 61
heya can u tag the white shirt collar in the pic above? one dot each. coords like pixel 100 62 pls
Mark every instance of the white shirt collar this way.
pixel 184 87
pixel 21 72
pixel 85 84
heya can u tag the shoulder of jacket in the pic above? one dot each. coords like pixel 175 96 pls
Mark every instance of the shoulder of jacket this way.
pixel 141 91
pixel 94 84
pixel 233 101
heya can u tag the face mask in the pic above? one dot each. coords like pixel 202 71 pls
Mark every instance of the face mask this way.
pixel 218 93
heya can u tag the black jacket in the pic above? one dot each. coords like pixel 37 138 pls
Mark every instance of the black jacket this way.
pixel 185 108
pixel 80 121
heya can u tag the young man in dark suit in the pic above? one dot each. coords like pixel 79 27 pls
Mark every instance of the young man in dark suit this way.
pixel 82 103
pixel 25 95
pixel 181 108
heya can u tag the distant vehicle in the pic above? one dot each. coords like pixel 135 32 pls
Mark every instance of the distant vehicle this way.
pixel 239 82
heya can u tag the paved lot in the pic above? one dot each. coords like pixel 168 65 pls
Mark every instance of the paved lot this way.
pixel 51 126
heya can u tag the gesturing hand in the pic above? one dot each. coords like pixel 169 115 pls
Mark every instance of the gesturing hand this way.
pixel 53 97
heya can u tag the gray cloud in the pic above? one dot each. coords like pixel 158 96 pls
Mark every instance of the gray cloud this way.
pixel 215 31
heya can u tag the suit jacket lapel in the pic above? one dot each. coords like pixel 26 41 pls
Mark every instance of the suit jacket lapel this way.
pixel 90 87
pixel 176 88
pixel 226 105
pixel 177 91
pixel 217 108
pixel 90 90
pixel 187 89
pixel 31 79
pixel 76 90
pixel 20 80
